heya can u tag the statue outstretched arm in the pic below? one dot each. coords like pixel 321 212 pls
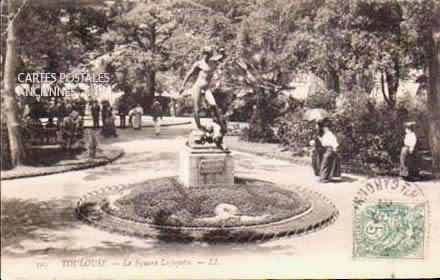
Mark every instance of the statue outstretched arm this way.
pixel 218 58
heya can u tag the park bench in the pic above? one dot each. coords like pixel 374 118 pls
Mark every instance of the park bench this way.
pixel 43 136
pixel 49 135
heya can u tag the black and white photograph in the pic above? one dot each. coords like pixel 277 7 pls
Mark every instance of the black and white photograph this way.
pixel 220 139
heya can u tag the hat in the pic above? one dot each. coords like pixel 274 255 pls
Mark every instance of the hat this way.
pixel 324 122
pixel 207 50
pixel 409 125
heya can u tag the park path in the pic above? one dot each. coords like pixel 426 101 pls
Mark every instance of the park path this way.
pixel 41 222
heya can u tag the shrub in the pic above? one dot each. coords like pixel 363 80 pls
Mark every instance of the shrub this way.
pixel 322 98
pixel 295 133
pixel 369 135
pixel 372 139
pixel 258 133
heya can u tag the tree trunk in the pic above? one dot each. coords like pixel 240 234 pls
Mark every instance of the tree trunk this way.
pixel 256 125
pixel 432 50
pixel 393 85
pixel 382 87
pixel 151 75
pixel 15 142
pixel 332 81
pixel 151 88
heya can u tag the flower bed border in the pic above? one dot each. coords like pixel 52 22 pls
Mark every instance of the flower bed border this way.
pixel 116 153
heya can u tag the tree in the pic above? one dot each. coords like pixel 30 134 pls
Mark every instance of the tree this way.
pixel 16 146
pixel 27 51
pixel 138 41
pixel 425 16
pixel 390 37
pixel 389 43
pixel 347 43
pixel 74 29
pixel 254 35
pixel 320 39
pixel 265 66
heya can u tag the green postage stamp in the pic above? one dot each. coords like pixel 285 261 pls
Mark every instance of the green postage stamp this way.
pixel 389 230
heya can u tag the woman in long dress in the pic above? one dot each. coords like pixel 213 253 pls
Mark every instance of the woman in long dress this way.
pixel 330 164
pixel 408 166
pixel 156 113
pixel 108 128
pixel 137 117
pixel 317 149
pixel 111 122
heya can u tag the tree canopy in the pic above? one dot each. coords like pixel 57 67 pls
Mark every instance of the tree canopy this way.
pixel 148 45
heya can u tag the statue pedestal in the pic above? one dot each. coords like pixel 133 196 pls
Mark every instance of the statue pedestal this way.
pixel 205 165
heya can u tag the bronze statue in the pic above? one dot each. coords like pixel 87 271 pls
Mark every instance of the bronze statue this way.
pixel 201 89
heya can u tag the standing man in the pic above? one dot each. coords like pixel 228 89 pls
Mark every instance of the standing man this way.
pixel 104 106
pixel 122 111
pixel 157 113
pixel 205 69
pixel 61 113
pixel 81 106
pixel 89 105
pixel 51 111
pixel 96 109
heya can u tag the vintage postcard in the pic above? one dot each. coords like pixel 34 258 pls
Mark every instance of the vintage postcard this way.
pixel 223 139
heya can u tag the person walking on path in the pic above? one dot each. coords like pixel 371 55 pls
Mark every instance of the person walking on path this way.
pixel 157 113
pixel 330 165
pixel 111 122
pixel 136 117
pixel 108 128
pixel 122 112
pixel 130 117
pixel 95 109
pixel 317 149
pixel 408 168
pixel 104 106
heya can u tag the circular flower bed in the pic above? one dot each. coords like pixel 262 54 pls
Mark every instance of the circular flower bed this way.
pixel 166 202
pixel 249 210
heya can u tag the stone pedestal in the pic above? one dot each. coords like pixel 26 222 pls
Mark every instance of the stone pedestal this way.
pixel 205 166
